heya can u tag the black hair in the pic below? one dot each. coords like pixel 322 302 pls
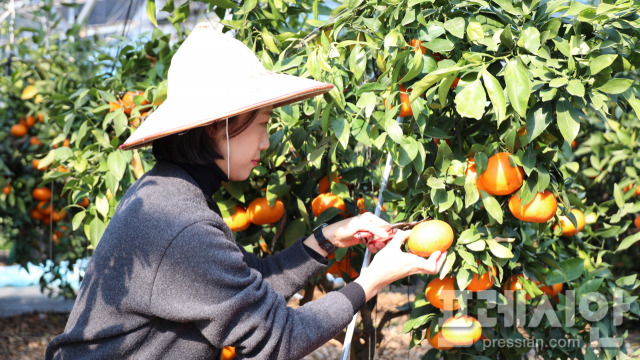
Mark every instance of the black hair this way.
pixel 197 146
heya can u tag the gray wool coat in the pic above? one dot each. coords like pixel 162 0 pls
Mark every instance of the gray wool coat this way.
pixel 168 281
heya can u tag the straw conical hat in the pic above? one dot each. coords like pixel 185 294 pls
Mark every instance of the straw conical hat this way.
pixel 212 77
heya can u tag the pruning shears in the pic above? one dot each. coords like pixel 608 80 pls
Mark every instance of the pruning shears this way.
pixel 367 237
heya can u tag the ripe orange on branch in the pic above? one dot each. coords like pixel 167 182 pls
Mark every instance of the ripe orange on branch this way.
pixel 127 101
pixel 239 221
pixel 441 293
pixel 515 283
pixel 541 209
pixel 362 207
pixel 472 175
pixel 417 46
pixel 405 107
pixel 462 330
pixel 636 222
pixel 429 237
pixel 260 212
pixel 551 290
pixel 326 201
pixel 324 185
pixel 18 130
pixel 7 189
pixel 568 229
pixel 438 341
pixel 482 282
pixel 500 178
pixel 41 194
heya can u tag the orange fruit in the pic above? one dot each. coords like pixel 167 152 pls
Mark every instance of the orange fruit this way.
pixel 500 178
pixel 472 176
pixel 127 101
pixel 228 353
pixel 44 208
pixel 239 221
pixel 461 330
pixel 324 186
pixel 405 107
pixel 574 144
pixel 57 216
pixel 454 84
pixel 441 293
pixel 417 46
pixel 35 214
pixel 84 202
pixel 41 194
pixel 18 130
pixel 325 201
pixel 482 282
pixel 29 121
pixel 7 189
pixel 567 227
pixel 40 117
pixel 36 165
pixel 514 283
pixel 429 237
pixel 551 290
pixel 113 106
pixel 260 213
pixel 344 266
pixel 362 207
pixel 438 341
pixel 65 143
pixel 438 57
pixel 636 222
pixel 35 141
pixel 541 209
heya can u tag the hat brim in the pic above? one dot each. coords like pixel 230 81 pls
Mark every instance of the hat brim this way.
pixel 186 111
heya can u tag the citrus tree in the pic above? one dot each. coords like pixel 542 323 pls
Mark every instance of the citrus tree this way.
pixel 514 124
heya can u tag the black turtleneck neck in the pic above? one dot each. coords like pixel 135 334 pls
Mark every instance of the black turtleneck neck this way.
pixel 209 179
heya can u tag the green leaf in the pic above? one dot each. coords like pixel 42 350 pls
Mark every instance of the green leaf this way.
pixel 558 82
pixel 269 41
pixel 77 219
pixel 408 151
pixel 538 119
pixel 618 195
pixel 616 86
pixel 628 242
pixel 479 245
pixel 341 129
pixel 416 67
pixel 120 123
pixel 474 30
pixel 151 11
pixel 570 270
pixel 568 120
pixel 117 164
pixel 496 94
pixel 492 206
pixel 440 45
pixel 506 37
pixel 295 230
pixel 394 130
pixel 444 157
pixel 358 62
pixel 518 86
pixel 471 101
pixel 428 81
pixel 96 229
pixel 102 205
pixel 227 4
pixel 531 39
pixel 455 27
pixel 576 88
pixel 499 250
pixel 601 62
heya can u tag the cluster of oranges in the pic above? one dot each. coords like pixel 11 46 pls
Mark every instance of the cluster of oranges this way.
pixel 128 104
pixel 43 211
pixel 21 129
pixel 259 212
pixel 500 178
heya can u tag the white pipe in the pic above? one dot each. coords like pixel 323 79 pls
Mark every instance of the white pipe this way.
pixel 367 255
pixel 87 9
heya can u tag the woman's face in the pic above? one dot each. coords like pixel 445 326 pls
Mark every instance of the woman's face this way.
pixel 244 148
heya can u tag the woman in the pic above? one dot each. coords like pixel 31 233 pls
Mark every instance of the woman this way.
pixel 167 280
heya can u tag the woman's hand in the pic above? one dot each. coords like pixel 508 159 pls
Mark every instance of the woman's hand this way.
pixel 342 233
pixel 392 264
